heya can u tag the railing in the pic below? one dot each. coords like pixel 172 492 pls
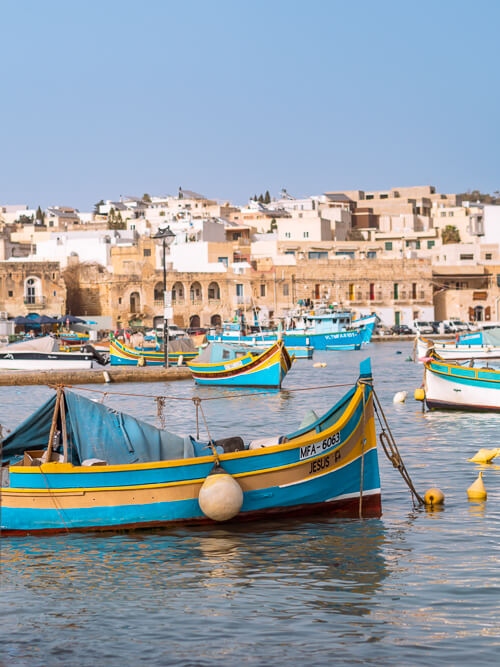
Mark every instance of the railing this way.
pixel 34 301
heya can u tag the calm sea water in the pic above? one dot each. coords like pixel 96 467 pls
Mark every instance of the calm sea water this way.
pixel 412 588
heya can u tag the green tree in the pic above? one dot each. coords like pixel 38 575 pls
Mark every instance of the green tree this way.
pixel 274 225
pixel 146 197
pixel 96 206
pixel 450 234
pixel 40 216
pixel 267 197
pixel 261 198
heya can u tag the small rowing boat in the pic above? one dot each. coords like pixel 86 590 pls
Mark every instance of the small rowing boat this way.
pixel 179 351
pixel 236 366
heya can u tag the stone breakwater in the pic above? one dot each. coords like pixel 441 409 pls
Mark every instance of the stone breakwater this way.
pixel 95 376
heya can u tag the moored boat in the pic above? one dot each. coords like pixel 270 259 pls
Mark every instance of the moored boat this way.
pixel 451 386
pixel 44 354
pixel 476 345
pixel 113 471
pixel 231 365
pixel 179 351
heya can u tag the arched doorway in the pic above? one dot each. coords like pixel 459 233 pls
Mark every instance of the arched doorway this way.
pixel 194 322
pixel 216 321
pixel 158 294
pixel 178 293
pixel 478 313
pixel 195 293
pixel 135 302
pixel 214 292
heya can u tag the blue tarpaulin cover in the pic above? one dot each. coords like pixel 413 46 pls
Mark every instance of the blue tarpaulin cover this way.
pixel 97 431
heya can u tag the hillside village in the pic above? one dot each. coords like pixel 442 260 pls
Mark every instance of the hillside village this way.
pixel 407 253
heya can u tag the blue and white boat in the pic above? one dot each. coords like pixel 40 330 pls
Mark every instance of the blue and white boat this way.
pixel 450 386
pixel 331 330
pixel 470 345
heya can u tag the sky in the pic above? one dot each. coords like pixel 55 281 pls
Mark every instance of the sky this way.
pixel 107 98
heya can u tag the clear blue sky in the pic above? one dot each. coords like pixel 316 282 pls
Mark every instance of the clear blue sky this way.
pixel 230 98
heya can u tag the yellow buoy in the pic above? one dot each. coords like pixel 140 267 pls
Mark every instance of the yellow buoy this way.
pixel 484 455
pixel 319 364
pixel 434 496
pixel 141 361
pixel 476 491
pixel 400 397
pixel 220 496
pixel 420 394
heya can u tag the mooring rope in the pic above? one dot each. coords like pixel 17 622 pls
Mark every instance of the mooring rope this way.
pixel 391 451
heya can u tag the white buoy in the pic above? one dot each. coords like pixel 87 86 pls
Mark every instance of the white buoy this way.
pixel 106 376
pixel 180 360
pixel 220 496
pixel 400 397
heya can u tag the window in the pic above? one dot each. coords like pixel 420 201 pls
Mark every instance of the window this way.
pixel 239 289
pixel 300 215
pixel 306 235
pixel 147 252
pixel 11 293
pixel 451 214
pixel 119 300
pixel 289 252
pixel 285 289
pixel 396 291
pixel 388 245
pixel 407 243
pixel 384 196
pixel 372 291
pixel 369 197
pixel 371 254
pixel 414 290
pixel 345 253
pixel 443 214
pixel 466 256
pixel 54 293
pixel 287 235
pixel 431 244
pixel 263 290
pixel 318 254
pixel 417 245
pixel 222 260
pixel 488 255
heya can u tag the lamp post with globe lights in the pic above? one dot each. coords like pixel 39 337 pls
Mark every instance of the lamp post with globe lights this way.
pixel 164 237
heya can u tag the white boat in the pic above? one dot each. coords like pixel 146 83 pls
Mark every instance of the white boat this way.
pixel 42 354
pixel 453 387
pixel 460 350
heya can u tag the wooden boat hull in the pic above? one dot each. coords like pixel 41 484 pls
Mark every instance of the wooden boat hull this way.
pixel 452 387
pixel 74 338
pixel 268 369
pixel 319 469
pixel 123 355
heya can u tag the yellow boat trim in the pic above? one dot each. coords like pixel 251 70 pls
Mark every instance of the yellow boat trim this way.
pixel 306 438
pixel 200 480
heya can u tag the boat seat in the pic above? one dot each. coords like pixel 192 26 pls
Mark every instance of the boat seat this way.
pixel 232 444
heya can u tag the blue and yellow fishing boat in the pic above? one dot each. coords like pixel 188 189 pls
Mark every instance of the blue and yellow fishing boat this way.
pixel 73 337
pixel 103 469
pixel 124 355
pixel 237 366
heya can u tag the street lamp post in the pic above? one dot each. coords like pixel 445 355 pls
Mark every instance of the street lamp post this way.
pixel 165 237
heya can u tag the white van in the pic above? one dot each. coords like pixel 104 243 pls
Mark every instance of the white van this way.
pixel 456 325
pixel 422 327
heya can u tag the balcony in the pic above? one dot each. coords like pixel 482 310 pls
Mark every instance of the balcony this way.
pixel 34 302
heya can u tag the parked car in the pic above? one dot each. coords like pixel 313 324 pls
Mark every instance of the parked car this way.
pixel 455 326
pixel 402 330
pixel 422 327
pixel 380 330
